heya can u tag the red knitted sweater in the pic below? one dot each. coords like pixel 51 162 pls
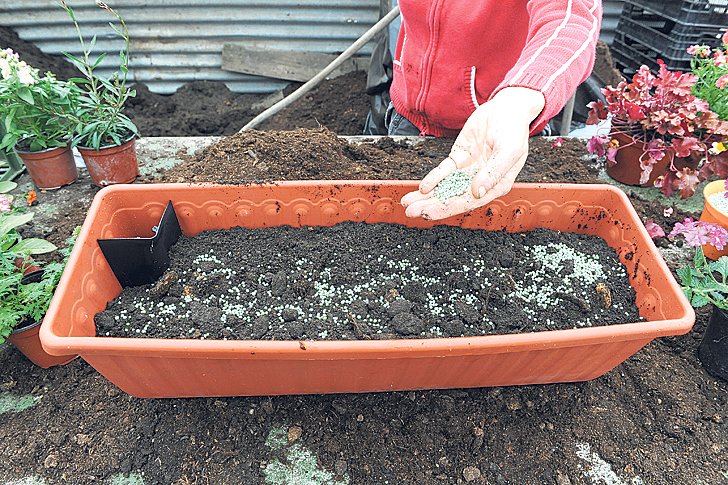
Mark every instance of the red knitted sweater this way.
pixel 453 55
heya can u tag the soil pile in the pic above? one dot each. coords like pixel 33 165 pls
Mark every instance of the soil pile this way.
pixel 379 281
pixel 305 154
pixel 319 154
pixel 203 108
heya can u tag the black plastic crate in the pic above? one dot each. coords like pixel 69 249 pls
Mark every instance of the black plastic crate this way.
pixel 630 54
pixel 697 13
pixel 673 46
pixel 676 29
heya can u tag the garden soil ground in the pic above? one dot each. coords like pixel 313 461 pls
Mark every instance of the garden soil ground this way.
pixel 388 281
pixel 658 416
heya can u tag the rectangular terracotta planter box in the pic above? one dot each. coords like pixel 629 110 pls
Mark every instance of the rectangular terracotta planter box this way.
pixel 186 367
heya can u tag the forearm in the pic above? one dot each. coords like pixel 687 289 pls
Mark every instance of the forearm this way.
pixel 559 54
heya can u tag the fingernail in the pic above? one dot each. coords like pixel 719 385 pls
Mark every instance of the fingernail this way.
pixel 481 192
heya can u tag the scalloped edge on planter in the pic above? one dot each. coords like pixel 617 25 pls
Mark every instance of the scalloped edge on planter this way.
pixel 187 368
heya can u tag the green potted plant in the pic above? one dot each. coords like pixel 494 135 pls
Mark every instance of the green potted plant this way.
pixel 26 289
pixel 35 112
pixel 706 283
pixel 105 135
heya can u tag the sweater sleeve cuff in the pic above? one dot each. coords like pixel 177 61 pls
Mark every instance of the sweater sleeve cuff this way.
pixel 552 98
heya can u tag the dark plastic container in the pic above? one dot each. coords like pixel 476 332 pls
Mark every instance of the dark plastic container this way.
pixel 698 13
pixel 713 350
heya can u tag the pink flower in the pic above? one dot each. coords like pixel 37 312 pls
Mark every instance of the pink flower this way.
pixel 719 58
pixel 5 205
pixel 558 143
pixel 667 212
pixel 697 233
pixel 595 145
pixel 722 81
pixel 725 37
pixel 612 154
pixel 654 230
pixel 699 50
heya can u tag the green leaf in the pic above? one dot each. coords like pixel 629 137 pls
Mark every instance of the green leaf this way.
pixel 98 61
pixel 699 300
pixel 25 94
pixel 7 186
pixel 686 276
pixel 699 260
pixel 33 246
pixel 10 222
pixel 720 266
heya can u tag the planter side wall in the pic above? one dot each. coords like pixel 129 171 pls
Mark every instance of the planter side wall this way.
pixel 152 367
pixel 189 377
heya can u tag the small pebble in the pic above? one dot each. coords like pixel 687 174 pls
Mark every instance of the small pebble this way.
pixel 471 473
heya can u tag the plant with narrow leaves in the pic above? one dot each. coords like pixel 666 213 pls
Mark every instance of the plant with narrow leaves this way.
pixel 710 67
pixel 36 112
pixel 705 282
pixel 101 121
pixel 28 302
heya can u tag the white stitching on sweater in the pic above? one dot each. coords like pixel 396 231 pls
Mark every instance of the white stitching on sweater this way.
pixel 553 37
pixel 472 87
pixel 586 43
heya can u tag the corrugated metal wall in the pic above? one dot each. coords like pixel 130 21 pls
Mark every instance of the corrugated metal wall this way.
pixel 176 41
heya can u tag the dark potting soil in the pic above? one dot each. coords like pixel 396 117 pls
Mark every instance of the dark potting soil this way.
pixel 205 108
pixel 319 154
pixel 386 281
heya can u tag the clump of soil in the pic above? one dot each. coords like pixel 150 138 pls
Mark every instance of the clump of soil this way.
pixel 362 281
pixel 306 154
pixel 319 154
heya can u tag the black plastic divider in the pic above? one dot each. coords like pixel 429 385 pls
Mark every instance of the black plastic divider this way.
pixel 139 261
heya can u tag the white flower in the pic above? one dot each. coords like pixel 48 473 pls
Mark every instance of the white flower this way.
pixel 26 75
pixel 5 69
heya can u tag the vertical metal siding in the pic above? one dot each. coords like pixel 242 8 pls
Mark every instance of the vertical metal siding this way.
pixel 177 41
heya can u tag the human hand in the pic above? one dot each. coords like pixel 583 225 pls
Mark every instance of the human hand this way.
pixel 492 148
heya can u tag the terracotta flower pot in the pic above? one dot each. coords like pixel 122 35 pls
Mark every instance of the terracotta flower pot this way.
pixel 52 168
pixel 29 261
pixel 712 214
pixel 713 349
pixel 188 367
pixel 113 165
pixel 25 338
pixel 627 170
